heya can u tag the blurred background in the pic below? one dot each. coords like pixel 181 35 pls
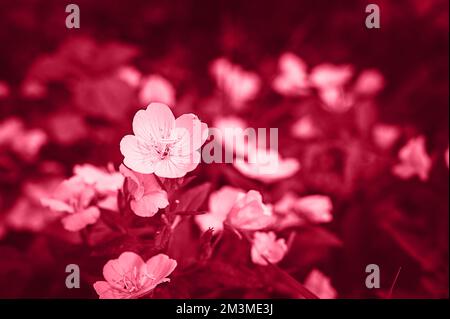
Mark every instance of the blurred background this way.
pixel 67 96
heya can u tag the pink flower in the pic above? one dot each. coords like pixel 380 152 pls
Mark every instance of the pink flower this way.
pixel 369 82
pixel 336 99
pixel 147 195
pixel 320 285
pixel 330 81
pixel 266 165
pixel 129 75
pixel 293 77
pixel 74 197
pixel 414 160
pixel 106 184
pixel 250 213
pixel 162 144
pixel 316 208
pixel 27 213
pixel 385 135
pixel 295 211
pixel 329 75
pixel 24 142
pixel 102 180
pixel 155 88
pixel 305 128
pixel 239 85
pixel 129 277
pixel 267 248
pixel 242 210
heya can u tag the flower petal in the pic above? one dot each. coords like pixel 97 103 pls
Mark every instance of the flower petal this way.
pixel 158 268
pixel 177 166
pixel 149 204
pixel 127 264
pixel 138 156
pixel 154 124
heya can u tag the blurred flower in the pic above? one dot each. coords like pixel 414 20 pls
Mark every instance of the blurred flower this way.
pixel 330 81
pixel 266 165
pixel 316 208
pixel 4 90
pixel 155 88
pixel 163 145
pixel 385 135
pixel 320 285
pixel 293 78
pixel 129 277
pixel 446 156
pixel 250 213
pixel 33 90
pixel 232 129
pixel 239 85
pixel 369 82
pixel 102 180
pixel 25 142
pixel 129 75
pixel 147 195
pixel 74 198
pixel 57 124
pixel 293 211
pixel 267 248
pixel 27 213
pixel 241 210
pixel 326 75
pixel 220 204
pixel 336 99
pixel 414 160
pixel 305 128
pixel 105 183
pixel 9 129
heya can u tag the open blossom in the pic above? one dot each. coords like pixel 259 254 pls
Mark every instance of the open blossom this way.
pixel 130 277
pixel 155 88
pixel 147 197
pixel 320 285
pixel 163 145
pixel 293 77
pixel 239 85
pixel 414 160
pixel 74 198
pixel 244 211
pixel 267 248
pixel 266 165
